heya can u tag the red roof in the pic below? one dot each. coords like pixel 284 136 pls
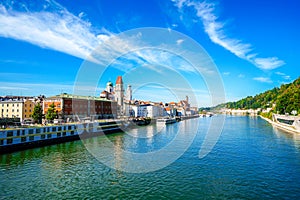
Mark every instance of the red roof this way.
pixel 119 80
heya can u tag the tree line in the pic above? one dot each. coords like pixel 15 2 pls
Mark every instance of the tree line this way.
pixel 285 99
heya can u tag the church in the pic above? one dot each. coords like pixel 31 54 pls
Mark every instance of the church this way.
pixel 116 93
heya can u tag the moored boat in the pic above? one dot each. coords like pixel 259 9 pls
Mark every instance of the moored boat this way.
pixel 167 120
pixel 287 121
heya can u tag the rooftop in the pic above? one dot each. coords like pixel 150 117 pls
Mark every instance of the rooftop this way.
pixel 119 80
pixel 72 96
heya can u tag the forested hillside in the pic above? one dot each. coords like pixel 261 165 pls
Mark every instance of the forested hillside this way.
pixel 286 98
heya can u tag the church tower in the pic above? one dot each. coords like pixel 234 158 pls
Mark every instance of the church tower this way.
pixel 119 92
pixel 129 93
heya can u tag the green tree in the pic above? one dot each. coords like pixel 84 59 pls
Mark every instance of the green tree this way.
pixel 51 113
pixel 37 113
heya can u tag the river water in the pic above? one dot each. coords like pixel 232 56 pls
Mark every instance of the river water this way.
pixel 251 160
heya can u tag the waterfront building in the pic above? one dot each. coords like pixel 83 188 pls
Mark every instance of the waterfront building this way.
pixel 12 108
pixel 75 107
pixel 18 106
pixel 28 108
pixel 144 109
pixel 116 93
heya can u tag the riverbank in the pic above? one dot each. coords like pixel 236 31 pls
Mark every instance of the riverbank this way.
pixel 281 126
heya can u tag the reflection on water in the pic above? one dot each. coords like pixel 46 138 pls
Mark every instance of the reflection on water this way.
pixel 288 135
pixel 251 160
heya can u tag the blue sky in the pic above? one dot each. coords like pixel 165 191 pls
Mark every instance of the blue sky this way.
pixel 254 44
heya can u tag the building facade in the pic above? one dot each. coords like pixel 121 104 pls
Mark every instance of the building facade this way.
pixel 12 109
pixel 75 107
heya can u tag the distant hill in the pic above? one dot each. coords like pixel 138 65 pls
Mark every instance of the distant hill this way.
pixel 286 98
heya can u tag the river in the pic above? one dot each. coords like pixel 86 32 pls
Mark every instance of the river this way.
pixel 251 160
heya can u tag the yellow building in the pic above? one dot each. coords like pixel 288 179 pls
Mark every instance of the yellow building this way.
pixel 28 108
pixel 12 109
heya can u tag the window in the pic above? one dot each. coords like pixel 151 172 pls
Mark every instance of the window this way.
pixel 25 110
pixel 58 134
pixel 9 141
pixel 25 106
pixel 25 116
pixel 38 130
pixel 31 138
pixel 49 136
pixel 17 110
pixel 53 128
pixel 43 136
pixel 17 105
pixel 1 142
pixel 23 139
pixel 30 131
pixel 13 105
pixel 18 132
pixel 13 110
pixel 10 133
pixel 72 132
pixel 7 105
pixel 6 110
pixel 69 127
pixel 64 133
pixel 22 132
pixel 59 128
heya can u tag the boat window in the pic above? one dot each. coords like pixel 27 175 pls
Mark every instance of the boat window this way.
pixel 10 133
pixel 31 138
pixel 23 139
pixel 43 136
pixel 9 141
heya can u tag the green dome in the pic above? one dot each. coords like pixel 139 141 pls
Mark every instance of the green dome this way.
pixel 109 83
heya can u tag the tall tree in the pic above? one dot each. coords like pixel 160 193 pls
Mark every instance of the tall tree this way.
pixel 51 113
pixel 37 113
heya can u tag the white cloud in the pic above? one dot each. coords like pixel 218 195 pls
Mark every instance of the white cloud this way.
pixel 55 28
pixel 59 30
pixel 268 63
pixel 178 42
pixel 82 14
pixel 226 73
pixel 263 79
pixel 215 30
pixel 283 75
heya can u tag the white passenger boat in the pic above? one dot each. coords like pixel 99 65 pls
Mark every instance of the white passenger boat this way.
pixel 29 137
pixel 292 122
pixel 167 120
